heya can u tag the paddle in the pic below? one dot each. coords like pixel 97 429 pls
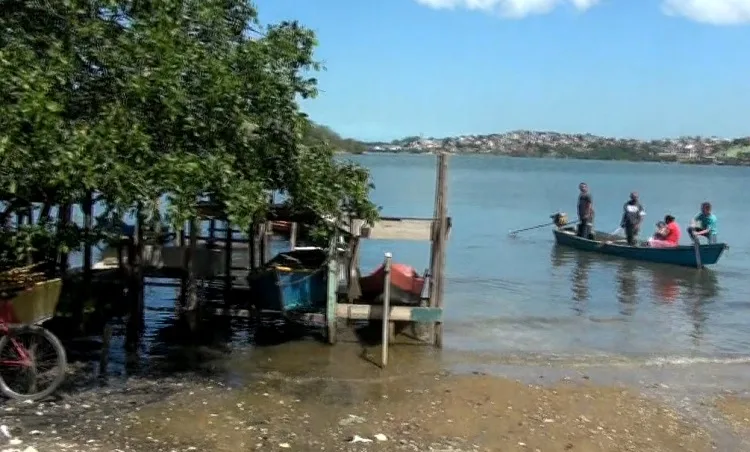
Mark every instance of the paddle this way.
pixel 530 228
pixel 513 233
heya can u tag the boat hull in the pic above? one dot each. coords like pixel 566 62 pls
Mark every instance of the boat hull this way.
pixel 406 286
pixel 292 282
pixel 680 255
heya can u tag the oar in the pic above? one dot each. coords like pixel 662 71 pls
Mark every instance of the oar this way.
pixel 537 227
pixel 529 229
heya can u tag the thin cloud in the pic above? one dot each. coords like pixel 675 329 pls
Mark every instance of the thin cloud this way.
pixel 515 9
pixel 714 12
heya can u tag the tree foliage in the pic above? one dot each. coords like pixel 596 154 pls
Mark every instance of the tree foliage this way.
pixel 133 100
pixel 318 134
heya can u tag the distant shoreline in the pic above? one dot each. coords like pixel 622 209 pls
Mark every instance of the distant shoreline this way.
pixel 706 162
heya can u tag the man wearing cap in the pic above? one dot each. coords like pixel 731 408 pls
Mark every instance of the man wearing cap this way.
pixel 632 217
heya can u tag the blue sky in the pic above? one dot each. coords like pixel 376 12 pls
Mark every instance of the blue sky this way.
pixel 626 68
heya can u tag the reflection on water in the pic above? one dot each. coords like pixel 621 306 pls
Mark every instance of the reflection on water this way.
pixel 579 276
pixel 676 289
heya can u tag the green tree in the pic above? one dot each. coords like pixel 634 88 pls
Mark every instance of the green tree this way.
pixel 135 100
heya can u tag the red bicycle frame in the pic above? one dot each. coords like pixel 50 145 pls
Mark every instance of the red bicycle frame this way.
pixel 23 354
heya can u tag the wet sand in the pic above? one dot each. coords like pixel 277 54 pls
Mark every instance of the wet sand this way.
pixel 418 412
pixel 736 410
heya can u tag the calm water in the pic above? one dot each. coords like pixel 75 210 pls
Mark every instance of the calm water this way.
pixel 524 297
pixel 522 300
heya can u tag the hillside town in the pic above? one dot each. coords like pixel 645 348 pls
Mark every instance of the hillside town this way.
pixel 552 144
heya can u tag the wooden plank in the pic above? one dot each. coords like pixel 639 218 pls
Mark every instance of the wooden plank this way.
pixel 397 313
pixel 244 313
pixel 397 229
pixel 394 228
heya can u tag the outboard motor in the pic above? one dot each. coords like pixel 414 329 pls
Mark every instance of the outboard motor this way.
pixel 560 219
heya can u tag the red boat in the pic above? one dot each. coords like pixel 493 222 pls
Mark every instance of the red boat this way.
pixel 281 227
pixel 406 285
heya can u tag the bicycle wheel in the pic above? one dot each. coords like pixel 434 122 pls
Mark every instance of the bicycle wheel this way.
pixel 32 363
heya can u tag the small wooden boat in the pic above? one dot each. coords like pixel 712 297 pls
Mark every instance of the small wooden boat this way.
pixel 292 282
pixel 406 285
pixel 684 255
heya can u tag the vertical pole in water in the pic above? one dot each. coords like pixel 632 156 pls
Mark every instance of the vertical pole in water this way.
pixel 211 232
pixel 228 259
pixel 434 250
pixel 266 237
pixel 386 309
pixel 332 301
pixel 63 224
pixel 191 284
pixel 88 225
pixel 253 246
pixel 441 238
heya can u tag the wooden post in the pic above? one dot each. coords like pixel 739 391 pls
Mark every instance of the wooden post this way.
pixel 386 310
pixel 434 252
pixel 63 222
pixel 251 247
pixel 228 248
pixel 354 291
pixel 88 225
pixel 293 236
pixel 331 318
pixel 182 235
pixel 104 357
pixel 442 236
pixel 183 277
pixel 191 296
pixel 140 262
pixel 255 248
pixel 132 327
pixel 266 237
pixel 211 232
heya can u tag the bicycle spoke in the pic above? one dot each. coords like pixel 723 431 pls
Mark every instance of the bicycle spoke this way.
pixel 42 369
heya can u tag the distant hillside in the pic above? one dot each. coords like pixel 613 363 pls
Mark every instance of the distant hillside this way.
pixel 319 133
pixel 524 143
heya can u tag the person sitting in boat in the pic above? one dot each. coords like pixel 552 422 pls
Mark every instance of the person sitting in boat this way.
pixel 661 231
pixel 704 224
pixel 667 234
pixel 632 216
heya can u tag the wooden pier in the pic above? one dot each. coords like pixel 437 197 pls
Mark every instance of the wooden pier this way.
pixel 205 253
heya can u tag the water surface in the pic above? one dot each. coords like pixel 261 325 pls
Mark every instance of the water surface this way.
pixel 524 296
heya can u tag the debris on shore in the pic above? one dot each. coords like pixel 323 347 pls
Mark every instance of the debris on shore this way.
pixel 443 412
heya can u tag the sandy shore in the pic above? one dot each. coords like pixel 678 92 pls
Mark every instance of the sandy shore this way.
pixel 431 411
pixel 736 410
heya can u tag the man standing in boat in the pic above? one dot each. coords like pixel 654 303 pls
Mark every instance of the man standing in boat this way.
pixel 632 217
pixel 585 211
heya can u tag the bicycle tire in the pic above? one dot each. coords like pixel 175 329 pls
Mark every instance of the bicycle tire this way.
pixel 62 362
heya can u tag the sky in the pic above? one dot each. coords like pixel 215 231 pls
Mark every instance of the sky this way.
pixel 622 68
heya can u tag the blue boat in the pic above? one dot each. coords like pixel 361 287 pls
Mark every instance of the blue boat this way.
pixel 293 282
pixel 684 255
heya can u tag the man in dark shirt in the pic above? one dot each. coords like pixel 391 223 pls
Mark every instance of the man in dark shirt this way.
pixel 585 211
pixel 632 216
